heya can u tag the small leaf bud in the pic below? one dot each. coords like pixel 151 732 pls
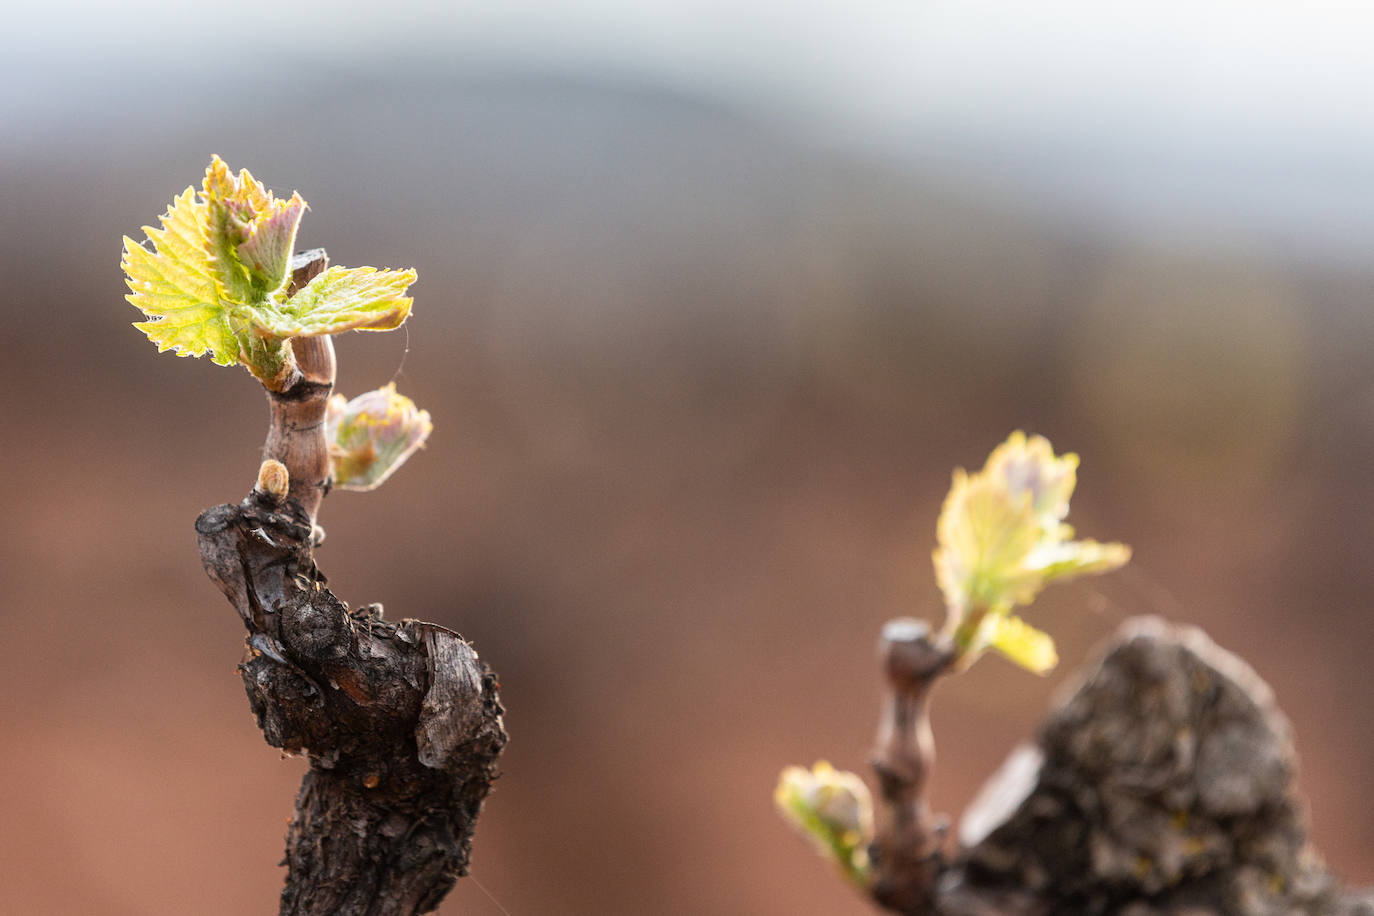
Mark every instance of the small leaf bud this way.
pixel 372 435
pixel 833 809
pixel 273 480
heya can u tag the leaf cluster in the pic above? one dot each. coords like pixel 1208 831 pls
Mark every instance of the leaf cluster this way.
pixel 216 279
pixel 1002 538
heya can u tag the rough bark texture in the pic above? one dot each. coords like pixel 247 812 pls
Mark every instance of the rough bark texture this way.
pixel 401 721
pixel 1162 786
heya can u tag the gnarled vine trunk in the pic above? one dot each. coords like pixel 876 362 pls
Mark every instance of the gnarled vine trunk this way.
pixel 401 721
pixel 1163 785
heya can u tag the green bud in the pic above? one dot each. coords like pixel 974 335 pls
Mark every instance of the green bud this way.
pixel 372 435
pixel 833 809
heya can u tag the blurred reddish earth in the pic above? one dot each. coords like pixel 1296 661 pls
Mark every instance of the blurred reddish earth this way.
pixel 698 386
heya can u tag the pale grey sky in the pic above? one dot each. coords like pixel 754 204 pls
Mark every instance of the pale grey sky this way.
pixel 1248 110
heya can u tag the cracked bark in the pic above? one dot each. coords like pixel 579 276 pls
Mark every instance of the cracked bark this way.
pixel 401 722
pixel 1161 785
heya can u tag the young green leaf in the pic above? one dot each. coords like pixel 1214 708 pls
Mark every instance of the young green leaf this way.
pixel 372 435
pixel 1058 560
pixel 985 535
pixel 174 286
pixel 1022 643
pixel 217 276
pixel 266 253
pixel 1028 466
pixel 345 299
pixel 1002 538
pixel 241 212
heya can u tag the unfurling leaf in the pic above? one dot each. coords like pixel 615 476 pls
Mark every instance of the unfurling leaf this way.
pixel 1022 643
pixel 250 233
pixel 372 435
pixel 266 253
pixel 833 809
pixel 217 278
pixel 1029 467
pixel 346 299
pixel 1002 538
pixel 1066 559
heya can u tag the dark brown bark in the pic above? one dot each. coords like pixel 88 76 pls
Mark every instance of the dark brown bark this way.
pixel 401 721
pixel 1162 786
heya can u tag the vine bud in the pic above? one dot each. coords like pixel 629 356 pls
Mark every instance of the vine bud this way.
pixel 372 435
pixel 273 480
pixel 833 809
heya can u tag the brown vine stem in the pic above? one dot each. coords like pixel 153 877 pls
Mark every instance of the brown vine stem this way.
pixel 401 721
pixel 906 851
pixel 296 434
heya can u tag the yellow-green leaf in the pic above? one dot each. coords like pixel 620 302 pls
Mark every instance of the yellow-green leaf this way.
pixel 344 299
pixel 1028 466
pixel 984 537
pixel 1001 539
pixel 1060 560
pixel 174 286
pixel 216 278
pixel 271 239
pixel 1022 643
pixel 250 234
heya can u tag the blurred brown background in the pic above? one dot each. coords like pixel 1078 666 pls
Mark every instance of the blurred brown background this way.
pixel 711 303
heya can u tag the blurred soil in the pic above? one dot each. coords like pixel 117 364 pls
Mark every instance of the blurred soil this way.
pixel 698 385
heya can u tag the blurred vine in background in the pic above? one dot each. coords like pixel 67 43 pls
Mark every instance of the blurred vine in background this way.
pixel 1002 537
